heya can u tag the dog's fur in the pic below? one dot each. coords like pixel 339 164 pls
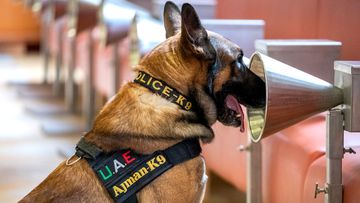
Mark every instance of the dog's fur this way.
pixel 200 64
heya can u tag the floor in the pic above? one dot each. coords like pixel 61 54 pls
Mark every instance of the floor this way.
pixel 27 155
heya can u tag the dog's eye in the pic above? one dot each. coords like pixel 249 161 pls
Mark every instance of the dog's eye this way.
pixel 212 62
pixel 240 57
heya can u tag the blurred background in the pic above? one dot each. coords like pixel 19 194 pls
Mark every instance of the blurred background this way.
pixel 61 60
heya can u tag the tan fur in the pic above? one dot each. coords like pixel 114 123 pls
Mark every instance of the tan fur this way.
pixel 223 75
pixel 141 110
pixel 138 119
pixel 137 111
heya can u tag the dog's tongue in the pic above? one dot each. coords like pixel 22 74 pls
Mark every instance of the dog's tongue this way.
pixel 232 103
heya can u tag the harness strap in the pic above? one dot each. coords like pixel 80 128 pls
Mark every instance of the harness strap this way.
pixel 131 199
pixel 87 150
pixel 124 172
pixel 182 151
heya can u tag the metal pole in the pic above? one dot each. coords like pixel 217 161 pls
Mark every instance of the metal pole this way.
pixel 116 68
pixel 70 86
pixel 70 96
pixel 45 51
pixel 89 98
pixel 334 156
pixel 254 177
pixel 59 59
pixel 46 20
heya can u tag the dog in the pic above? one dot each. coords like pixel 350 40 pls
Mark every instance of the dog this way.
pixel 202 66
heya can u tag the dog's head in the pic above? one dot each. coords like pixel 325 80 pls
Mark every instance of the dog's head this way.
pixel 207 66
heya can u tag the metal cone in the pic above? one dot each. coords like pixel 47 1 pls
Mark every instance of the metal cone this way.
pixel 291 96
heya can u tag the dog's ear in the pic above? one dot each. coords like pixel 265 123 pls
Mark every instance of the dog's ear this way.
pixel 194 37
pixel 172 19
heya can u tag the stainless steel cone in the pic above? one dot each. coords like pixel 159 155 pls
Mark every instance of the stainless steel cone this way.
pixel 291 96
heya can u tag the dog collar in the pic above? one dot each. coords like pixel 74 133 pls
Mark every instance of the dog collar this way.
pixel 161 88
pixel 125 172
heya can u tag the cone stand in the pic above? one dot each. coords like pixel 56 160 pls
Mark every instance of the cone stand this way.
pixel 292 96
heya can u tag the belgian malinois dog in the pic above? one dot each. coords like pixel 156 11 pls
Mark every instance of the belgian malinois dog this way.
pixel 203 67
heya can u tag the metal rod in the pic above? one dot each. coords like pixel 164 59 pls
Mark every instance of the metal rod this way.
pixel 59 60
pixel 254 176
pixel 116 68
pixel 45 42
pixel 334 156
pixel 45 53
pixel 89 95
pixel 70 94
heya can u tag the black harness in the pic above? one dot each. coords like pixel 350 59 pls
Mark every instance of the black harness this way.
pixel 124 172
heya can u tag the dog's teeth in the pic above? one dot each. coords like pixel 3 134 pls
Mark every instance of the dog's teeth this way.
pixel 238 116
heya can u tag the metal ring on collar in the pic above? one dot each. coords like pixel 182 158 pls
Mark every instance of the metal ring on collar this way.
pixel 68 163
